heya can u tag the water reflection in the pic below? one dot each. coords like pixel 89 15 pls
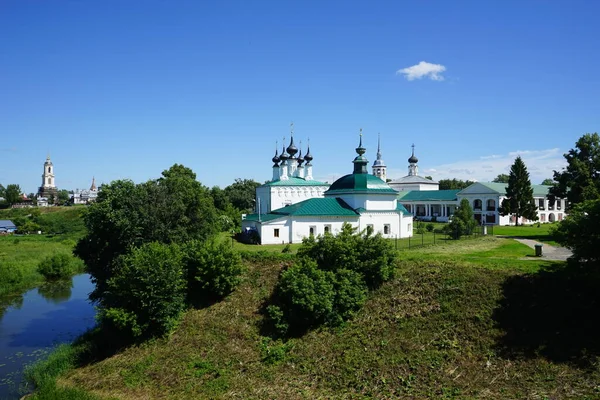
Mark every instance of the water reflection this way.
pixel 57 291
pixel 31 324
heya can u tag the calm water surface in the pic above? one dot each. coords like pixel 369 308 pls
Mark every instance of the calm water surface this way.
pixel 33 323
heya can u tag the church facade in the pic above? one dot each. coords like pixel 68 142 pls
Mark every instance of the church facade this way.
pixel 361 199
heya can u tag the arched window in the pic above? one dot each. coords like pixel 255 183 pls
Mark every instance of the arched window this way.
pixel 477 204
pixel 49 169
pixel 491 205
pixel 48 179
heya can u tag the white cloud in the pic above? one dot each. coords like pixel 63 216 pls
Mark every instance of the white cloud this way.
pixel 540 165
pixel 423 69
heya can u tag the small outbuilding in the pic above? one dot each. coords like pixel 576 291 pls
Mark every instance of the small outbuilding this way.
pixel 7 226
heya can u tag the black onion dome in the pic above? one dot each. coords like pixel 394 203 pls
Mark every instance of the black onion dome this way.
pixel 413 159
pixel 300 158
pixel 308 157
pixel 275 158
pixel 284 156
pixel 292 149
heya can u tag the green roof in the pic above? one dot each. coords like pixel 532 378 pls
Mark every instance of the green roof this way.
pixel 359 183
pixel 429 195
pixel 312 207
pixel 538 190
pixel 296 182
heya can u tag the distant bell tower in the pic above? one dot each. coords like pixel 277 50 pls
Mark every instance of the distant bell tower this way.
pixel 379 168
pixel 48 175
pixel 48 186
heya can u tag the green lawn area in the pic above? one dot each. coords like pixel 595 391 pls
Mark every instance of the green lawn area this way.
pixel 541 232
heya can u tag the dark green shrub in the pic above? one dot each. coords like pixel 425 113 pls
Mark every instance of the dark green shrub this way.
pixel 10 275
pixel 57 266
pixel 213 270
pixel 303 298
pixel 370 255
pixel 430 227
pixel 287 249
pixel 420 231
pixel 147 293
pixel 350 295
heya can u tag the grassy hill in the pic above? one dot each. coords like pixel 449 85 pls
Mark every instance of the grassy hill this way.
pixel 467 319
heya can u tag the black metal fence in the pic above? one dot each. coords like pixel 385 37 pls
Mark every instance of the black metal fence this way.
pixel 423 237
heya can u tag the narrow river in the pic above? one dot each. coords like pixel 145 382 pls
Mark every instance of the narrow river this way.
pixel 33 323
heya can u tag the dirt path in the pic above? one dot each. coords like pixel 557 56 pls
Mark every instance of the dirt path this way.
pixel 548 252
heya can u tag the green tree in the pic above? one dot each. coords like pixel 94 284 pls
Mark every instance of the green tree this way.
pixel 146 294
pixel 63 196
pixel 13 194
pixel 241 194
pixel 175 208
pixel 2 191
pixel 447 184
pixel 462 222
pixel 519 193
pixel 501 178
pixel 580 180
pixel 429 177
pixel 580 232
pixel 548 182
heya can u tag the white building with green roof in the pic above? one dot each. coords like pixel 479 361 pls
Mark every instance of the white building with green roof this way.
pixel 360 199
pixel 486 197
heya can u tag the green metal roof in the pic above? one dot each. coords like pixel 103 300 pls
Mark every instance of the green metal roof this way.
pixel 538 190
pixel 296 182
pixel 429 195
pixel 332 207
pixel 359 183
pixel 400 207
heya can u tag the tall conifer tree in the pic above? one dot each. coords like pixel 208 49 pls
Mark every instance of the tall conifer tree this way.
pixel 519 193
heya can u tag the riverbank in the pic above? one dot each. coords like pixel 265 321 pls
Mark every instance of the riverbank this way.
pixel 473 318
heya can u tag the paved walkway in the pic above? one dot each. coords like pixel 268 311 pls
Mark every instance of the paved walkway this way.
pixel 548 252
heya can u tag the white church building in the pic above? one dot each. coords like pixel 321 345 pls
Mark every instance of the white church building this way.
pixel 294 206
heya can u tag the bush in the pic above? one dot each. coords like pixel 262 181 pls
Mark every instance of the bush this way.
pixel 350 295
pixel 10 275
pixel 147 293
pixel 213 270
pixel 430 227
pixel 303 298
pixel 58 266
pixel 287 249
pixel 331 280
pixel 372 256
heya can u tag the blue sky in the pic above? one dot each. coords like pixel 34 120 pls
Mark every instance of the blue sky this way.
pixel 124 89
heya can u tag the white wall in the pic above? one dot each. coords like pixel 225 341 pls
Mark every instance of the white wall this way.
pixel 275 197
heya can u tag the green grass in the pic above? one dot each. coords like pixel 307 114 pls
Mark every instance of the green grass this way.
pixel 42 376
pixel 541 232
pixel 20 255
pixel 464 319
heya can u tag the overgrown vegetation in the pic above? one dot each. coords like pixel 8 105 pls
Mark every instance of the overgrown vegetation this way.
pixel 58 266
pixel 330 280
pixel 447 326
pixel 150 251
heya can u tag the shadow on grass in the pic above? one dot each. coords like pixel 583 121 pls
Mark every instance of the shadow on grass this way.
pixel 553 313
